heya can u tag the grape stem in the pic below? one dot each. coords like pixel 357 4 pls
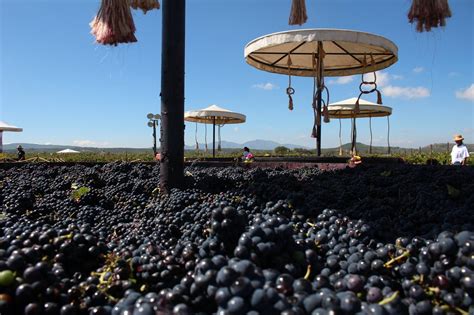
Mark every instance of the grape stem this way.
pixel 389 299
pixel 396 259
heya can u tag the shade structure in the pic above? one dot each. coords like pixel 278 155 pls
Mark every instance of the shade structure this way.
pixel 346 109
pixel 320 53
pixel 214 115
pixel 344 52
pixel 6 127
pixel 67 151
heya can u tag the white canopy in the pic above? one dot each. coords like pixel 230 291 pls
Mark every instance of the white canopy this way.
pixel 214 115
pixel 344 52
pixel 6 127
pixel 345 109
pixel 65 151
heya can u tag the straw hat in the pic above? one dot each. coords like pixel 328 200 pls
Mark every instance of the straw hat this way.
pixel 458 138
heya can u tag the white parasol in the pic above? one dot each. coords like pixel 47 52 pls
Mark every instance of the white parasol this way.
pixel 365 109
pixel 319 53
pixel 214 115
pixel 6 127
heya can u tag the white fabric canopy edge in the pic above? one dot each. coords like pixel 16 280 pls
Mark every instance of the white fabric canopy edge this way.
pixel 309 35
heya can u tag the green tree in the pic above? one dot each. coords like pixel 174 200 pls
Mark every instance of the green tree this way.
pixel 281 150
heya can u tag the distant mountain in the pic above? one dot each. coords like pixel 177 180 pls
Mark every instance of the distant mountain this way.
pixel 253 145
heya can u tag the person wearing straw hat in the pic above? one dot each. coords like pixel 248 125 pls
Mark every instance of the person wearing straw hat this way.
pixel 20 153
pixel 459 154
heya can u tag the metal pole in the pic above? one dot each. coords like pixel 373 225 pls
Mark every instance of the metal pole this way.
pixel 1 141
pixel 319 78
pixel 154 137
pixel 214 137
pixel 354 136
pixel 370 126
pixel 172 95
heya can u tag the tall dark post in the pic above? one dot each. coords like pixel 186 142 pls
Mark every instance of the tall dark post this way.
pixel 214 137
pixel 319 79
pixel 172 95
pixel 154 137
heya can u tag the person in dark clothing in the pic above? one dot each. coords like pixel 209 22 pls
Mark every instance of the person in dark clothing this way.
pixel 21 153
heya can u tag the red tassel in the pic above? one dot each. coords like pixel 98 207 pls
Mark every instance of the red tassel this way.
pixel 326 114
pixel 290 103
pixel 145 5
pixel 357 107
pixel 113 23
pixel 298 13
pixel 379 98
pixel 314 133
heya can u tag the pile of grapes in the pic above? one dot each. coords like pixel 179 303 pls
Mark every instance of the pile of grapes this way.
pixel 103 240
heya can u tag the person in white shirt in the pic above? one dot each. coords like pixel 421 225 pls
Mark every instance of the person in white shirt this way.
pixel 459 154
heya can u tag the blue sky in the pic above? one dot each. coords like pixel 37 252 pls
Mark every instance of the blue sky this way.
pixel 62 88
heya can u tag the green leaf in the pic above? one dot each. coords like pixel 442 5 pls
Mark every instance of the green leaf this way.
pixel 80 192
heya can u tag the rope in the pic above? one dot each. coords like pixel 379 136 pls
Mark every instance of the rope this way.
pixel 388 135
pixel 340 137
pixel 205 136
pixel 195 137
pixel 289 90
pixel 370 127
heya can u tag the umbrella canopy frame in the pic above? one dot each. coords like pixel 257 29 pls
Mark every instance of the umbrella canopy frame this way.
pixel 6 127
pixel 358 108
pixel 214 115
pixel 313 52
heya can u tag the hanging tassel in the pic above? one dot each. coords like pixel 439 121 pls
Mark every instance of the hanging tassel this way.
pixel 326 114
pixel 429 14
pixel 314 133
pixel 113 24
pixel 379 98
pixel 290 101
pixel 145 5
pixel 357 107
pixel 298 13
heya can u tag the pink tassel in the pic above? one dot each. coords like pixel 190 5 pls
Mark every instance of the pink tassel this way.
pixel 113 24
pixel 145 5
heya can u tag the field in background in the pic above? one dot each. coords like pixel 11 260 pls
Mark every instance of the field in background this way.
pixel 412 156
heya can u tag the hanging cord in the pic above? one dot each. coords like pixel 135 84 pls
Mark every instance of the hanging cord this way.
pixel 289 90
pixel 370 127
pixel 388 135
pixel 196 137
pixel 317 93
pixel 219 147
pixel 370 83
pixel 205 137
pixel 340 137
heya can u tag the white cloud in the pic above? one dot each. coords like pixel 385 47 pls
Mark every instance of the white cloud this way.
pixel 397 77
pixel 418 69
pixel 265 86
pixel 236 129
pixel 466 94
pixel 89 143
pixel 405 92
pixel 342 80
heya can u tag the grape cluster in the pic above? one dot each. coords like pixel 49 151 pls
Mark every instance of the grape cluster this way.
pixel 103 240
